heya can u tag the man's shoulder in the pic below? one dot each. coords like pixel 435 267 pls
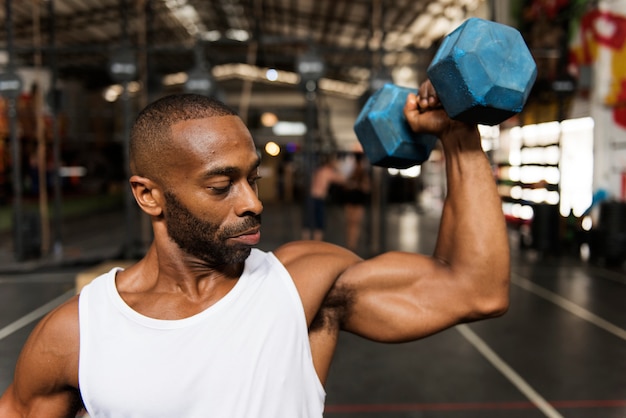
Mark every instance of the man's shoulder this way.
pixel 315 264
pixel 60 326
pixel 306 251
pixel 53 346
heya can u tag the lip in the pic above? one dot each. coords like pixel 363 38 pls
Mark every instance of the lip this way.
pixel 251 237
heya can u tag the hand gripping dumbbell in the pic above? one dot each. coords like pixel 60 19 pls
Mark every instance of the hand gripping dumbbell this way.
pixel 482 72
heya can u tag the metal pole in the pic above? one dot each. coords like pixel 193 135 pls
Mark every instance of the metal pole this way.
pixel 42 160
pixel 379 184
pixel 16 154
pixel 56 141
pixel 144 15
pixel 130 250
pixel 309 157
pixel 18 239
pixel 131 232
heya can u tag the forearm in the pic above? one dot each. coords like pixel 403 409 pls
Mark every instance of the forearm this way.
pixel 473 239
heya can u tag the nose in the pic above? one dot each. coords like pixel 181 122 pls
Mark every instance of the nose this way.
pixel 248 201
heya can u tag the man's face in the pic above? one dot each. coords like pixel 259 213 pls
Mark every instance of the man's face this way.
pixel 204 239
pixel 211 205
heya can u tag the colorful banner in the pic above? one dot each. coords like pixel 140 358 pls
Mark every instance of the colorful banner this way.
pixel 600 43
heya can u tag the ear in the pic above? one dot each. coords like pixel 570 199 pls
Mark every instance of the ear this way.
pixel 147 194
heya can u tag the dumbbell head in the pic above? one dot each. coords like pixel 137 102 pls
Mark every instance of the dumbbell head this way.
pixel 483 72
pixel 384 133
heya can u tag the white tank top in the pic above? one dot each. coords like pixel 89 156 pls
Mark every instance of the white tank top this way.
pixel 246 356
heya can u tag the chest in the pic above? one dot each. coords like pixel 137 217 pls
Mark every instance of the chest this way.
pixel 233 357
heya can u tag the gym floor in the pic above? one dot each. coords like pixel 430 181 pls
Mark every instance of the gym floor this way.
pixel 560 351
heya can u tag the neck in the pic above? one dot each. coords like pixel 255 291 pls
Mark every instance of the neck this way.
pixel 165 286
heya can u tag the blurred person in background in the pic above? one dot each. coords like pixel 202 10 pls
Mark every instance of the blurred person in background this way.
pixel 356 198
pixel 324 176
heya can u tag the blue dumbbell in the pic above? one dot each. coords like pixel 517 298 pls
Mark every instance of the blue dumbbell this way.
pixel 483 73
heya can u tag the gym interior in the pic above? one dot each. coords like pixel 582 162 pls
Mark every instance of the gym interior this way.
pixel 73 75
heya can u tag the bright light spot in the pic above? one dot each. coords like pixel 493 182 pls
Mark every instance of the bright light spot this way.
pixel 187 12
pixel 271 74
pixel 516 133
pixel 211 36
pixel 76 171
pixel 186 15
pixel 587 223
pixel 237 35
pixel 283 128
pixel 577 124
pixel 134 86
pixel 552 175
pixel 516 192
pixel 552 155
pixel 515 156
pixel 110 96
pixel 526 212
pixel 411 172
pixel 407 225
pixel 269 119
pixel 585 251
pixel 272 148
pixel 530 174
pixel 112 93
pixel 549 133
pixel 487 131
pixel 176 78
pixel 522 211
pixel 552 198
pixel 405 72
pixel 516 210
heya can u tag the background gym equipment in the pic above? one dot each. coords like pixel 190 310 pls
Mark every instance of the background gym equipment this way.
pixel 483 73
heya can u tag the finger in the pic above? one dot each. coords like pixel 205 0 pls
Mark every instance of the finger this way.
pixel 411 110
pixel 423 103
pixel 411 100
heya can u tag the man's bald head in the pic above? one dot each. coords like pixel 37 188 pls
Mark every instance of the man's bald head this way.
pixel 151 135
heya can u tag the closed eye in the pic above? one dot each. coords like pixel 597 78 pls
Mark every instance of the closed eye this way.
pixel 221 189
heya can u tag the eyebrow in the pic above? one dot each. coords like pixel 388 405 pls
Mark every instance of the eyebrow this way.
pixel 230 170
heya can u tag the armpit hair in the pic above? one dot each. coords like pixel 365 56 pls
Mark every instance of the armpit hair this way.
pixel 334 309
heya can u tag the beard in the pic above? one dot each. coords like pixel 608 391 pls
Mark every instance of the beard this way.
pixel 203 239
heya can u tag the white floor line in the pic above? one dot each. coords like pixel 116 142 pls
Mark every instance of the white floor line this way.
pixel 36 314
pixel 568 306
pixel 531 394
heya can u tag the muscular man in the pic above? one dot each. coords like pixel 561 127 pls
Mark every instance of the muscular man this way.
pixel 206 325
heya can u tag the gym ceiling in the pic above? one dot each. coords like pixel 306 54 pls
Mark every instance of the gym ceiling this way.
pixel 352 37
